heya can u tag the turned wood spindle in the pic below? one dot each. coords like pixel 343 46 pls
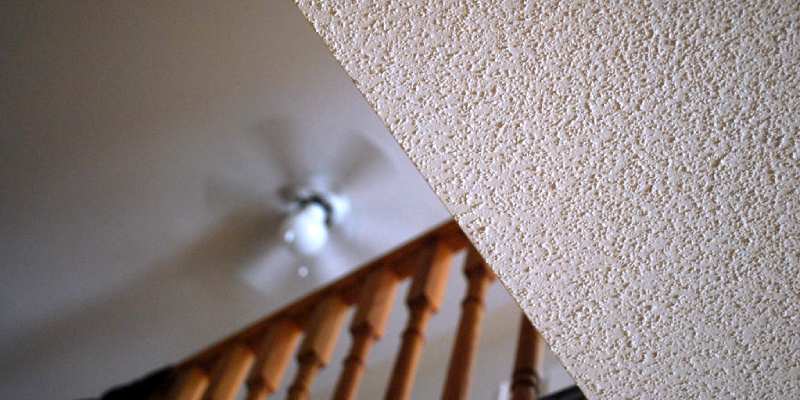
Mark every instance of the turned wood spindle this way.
pixel 317 348
pixel 229 373
pixel 375 303
pixel 190 385
pixel 274 353
pixel 528 362
pixel 424 299
pixel 462 357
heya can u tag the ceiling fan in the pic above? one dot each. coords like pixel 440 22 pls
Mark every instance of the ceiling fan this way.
pixel 305 190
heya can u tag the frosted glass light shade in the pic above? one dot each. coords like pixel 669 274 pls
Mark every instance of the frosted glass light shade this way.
pixel 305 231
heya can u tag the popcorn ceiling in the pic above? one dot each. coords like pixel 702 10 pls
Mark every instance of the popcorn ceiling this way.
pixel 630 171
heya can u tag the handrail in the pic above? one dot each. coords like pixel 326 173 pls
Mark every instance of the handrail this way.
pixel 260 353
pixel 400 259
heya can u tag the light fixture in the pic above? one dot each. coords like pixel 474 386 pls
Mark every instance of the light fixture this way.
pixel 305 230
pixel 307 226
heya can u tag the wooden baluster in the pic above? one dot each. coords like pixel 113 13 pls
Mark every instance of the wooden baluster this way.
pixel 528 362
pixel 462 357
pixel 424 299
pixel 317 348
pixel 190 385
pixel 274 353
pixel 229 373
pixel 375 303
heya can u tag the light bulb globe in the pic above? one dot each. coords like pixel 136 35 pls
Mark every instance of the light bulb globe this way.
pixel 305 230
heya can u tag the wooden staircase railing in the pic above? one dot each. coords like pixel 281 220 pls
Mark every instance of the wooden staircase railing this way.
pixel 260 353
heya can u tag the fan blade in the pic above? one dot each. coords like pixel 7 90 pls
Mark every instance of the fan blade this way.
pixel 280 150
pixel 353 243
pixel 257 234
pixel 344 252
pixel 359 163
pixel 246 179
pixel 269 270
pixel 239 194
pixel 275 267
pixel 228 244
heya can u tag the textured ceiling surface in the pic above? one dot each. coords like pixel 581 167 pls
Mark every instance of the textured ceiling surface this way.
pixel 629 170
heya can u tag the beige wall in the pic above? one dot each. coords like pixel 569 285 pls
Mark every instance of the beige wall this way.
pixel 629 170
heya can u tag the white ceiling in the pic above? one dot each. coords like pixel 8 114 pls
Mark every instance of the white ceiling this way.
pixel 116 118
